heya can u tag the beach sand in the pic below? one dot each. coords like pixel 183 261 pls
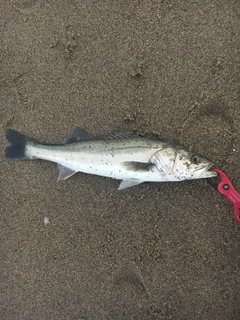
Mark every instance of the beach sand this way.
pixel 81 249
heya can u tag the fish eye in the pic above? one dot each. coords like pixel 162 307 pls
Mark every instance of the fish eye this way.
pixel 194 159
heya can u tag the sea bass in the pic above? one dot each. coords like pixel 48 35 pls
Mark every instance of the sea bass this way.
pixel 127 157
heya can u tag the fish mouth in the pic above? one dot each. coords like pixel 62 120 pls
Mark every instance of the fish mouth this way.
pixel 206 167
pixel 204 171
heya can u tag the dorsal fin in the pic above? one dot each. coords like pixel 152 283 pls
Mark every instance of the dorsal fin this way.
pixel 118 134
pixel 76 135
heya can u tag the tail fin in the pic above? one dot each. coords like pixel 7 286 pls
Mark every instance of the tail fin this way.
pixel 18 141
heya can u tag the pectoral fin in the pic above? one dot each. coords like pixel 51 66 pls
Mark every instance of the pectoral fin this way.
pixel 64 172
pixel 129 183
pixel 137 166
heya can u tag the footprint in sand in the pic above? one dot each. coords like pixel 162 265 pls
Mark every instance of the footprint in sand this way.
pixel 25 6
pixel 128 283
pixel 209 130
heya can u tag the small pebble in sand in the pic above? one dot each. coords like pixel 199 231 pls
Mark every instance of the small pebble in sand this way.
pixel 46 221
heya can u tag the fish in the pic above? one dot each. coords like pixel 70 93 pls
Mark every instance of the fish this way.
pixel 132 158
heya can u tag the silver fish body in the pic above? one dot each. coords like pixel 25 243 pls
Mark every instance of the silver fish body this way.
pixel 129 158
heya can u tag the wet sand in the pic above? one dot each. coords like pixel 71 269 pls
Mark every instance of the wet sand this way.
pixel 81 249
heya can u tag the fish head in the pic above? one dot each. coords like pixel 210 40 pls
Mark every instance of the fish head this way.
pixel 177 163
pixel 190 165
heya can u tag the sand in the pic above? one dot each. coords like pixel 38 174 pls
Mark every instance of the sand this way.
pixel 81 249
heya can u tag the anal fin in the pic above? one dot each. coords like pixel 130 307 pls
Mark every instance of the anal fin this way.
pixel 129 183
pixel 64 172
